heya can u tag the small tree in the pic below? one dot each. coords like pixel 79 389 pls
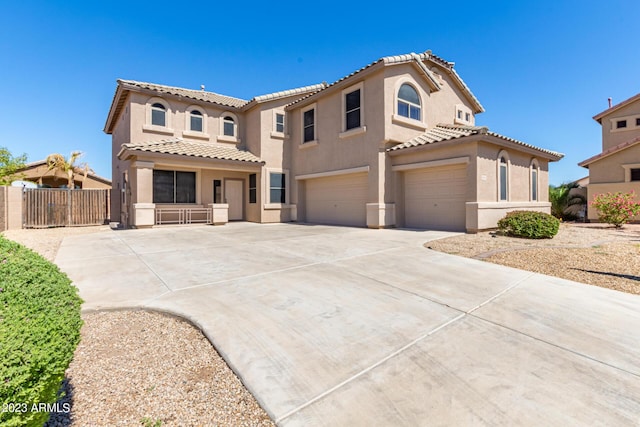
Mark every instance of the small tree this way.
pixel 9 166
pixel 616 208
pixel 561 198
pixel 57 162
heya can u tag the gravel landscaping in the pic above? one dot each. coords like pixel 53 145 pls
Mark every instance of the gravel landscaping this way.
pixel 136 368
pixel 595 254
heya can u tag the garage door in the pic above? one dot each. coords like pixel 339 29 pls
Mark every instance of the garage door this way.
pixel 435 198
pixel 338 200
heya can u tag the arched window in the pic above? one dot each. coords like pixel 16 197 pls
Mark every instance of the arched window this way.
pixel 535 173
pixel 158 115
pixel 409 102
pixel 503 181
pixel 195 122
pixel 229 126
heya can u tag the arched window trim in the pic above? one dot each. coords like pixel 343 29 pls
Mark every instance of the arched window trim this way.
pixel 168 118
pixel 406 121
pixel 534 166
pixel 499 165
pixel 410 104
pixel 187 125
pixel 221 134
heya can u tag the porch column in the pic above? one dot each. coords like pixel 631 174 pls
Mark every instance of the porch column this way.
pixel 143 208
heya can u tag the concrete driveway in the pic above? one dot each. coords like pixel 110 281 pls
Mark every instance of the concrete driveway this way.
pixel 343 326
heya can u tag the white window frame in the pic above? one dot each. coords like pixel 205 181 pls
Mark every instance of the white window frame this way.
pixel 275 133
pixel 407 121
pixel 226 138
pixel 362 128
pixel 314 141
pixel 187 123
pixel 167 129
pixel 534 166
pixel 505 155
pixel 267 188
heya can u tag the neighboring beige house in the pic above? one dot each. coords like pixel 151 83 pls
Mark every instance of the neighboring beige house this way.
pixel 39 172
pixel 393 144
pixel 617 167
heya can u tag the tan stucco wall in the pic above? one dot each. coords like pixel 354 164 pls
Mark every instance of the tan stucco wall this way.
pixel 612 136
pixel 609 169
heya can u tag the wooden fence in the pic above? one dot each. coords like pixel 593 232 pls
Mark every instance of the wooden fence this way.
pixel 53 207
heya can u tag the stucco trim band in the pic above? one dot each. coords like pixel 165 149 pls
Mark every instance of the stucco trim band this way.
pixel 360 169
pixel 431 164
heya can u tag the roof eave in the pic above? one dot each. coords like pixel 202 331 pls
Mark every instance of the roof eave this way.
pixel 114 110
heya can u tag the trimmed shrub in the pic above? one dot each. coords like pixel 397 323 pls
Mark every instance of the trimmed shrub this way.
pixel 529 224
pixel 39 332
pixel 616 208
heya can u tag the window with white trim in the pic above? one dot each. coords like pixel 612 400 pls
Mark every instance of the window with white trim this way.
pixel 196 121
pixel 409 102
pixel 535 173
pixel 229 126
pixel 158 114
pixel 503 178
pixel 279 123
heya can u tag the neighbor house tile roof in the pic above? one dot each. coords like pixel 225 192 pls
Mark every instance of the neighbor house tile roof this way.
pixel 446 132
pixel 193 149
pixel 610 151
pixel 199 95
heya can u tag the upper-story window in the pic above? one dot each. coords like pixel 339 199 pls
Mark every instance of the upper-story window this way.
pixel 158 115
pixel 280 122
pixel 195 121
pixel 409 102
pixel 638 121
pixel 621 124
pixel 352 102
pixel 463 115
pixel 229 126
pixel 634 174
pixel 309 125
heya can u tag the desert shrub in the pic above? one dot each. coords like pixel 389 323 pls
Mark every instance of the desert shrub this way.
pixel 616 208
pixel 39 332
pixel 529 224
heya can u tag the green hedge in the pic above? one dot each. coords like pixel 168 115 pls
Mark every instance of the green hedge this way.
pixel 39 332
pixel 529 224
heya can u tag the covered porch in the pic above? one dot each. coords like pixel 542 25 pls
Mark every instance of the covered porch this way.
pixel 178 182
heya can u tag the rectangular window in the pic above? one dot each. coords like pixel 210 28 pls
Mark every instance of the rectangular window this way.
pixel 158 117
pixel 174 187
pixel 279 122
pixel 534 184
pixel 503 182
pixel 638 121
pixel 460 114
pixel 217 191
pixel 309 128
pixel 467 117
pixel 196 123
pixel 277 191
pixel 229 128
pixel 635 174
pixel 253 193
pixel 621 124
pixel 352 109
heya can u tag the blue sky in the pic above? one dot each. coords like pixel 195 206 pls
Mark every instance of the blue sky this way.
pixel 541 69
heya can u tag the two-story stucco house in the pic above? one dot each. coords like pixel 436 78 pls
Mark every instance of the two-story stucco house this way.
pixel 617 167
pixel 393 144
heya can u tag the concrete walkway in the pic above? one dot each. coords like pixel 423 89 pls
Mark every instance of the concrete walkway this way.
pixel 341 326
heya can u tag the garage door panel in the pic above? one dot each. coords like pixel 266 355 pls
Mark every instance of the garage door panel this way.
pixel 339 200
pixel 435 198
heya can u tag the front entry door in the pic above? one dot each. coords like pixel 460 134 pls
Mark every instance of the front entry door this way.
pixel 233 197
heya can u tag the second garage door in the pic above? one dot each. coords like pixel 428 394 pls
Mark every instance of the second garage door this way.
pixel 337 200
pixel 434 198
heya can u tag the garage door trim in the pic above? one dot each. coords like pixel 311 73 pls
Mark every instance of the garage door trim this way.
pixel 431 164
pixel 361 169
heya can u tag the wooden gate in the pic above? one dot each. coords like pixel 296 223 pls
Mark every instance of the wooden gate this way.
pixel 53 207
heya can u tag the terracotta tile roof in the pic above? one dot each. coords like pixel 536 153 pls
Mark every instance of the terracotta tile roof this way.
pixel 199 95
pixel 446 132
pixel 610 151
pixel 181 147
pixel 419 58
pixel 598 117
